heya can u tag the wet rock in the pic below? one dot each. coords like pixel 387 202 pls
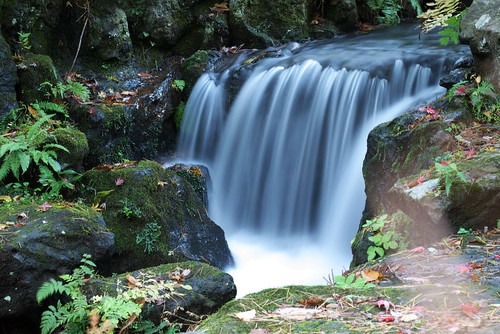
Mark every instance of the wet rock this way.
pixel 156 215
pixel 480 28
pixel 260 23
pixel 41 244
pixel 108 36
pixel 33 71
pixel 76 143
pixel 8 80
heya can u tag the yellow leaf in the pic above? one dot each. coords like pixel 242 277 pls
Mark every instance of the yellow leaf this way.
pixel 371 275
pixel 5 198
pixel 33 112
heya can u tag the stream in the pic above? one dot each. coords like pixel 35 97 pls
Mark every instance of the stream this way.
pixel 283 134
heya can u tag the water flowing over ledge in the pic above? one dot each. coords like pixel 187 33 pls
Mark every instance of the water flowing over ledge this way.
pixel 285 151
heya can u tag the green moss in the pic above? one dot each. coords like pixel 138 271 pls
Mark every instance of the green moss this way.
pixel 76 143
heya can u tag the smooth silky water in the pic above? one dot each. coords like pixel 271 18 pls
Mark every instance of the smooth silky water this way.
pixel 285 151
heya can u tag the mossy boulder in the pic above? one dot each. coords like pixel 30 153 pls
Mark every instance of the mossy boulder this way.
pixel 156 215
pixel 261 23
pixel 8 80
pixel 75 142
pixel 42 242
pixel 206 290
pixel 33 71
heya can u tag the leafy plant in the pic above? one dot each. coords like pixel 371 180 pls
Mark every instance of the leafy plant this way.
pixel 449 174
pixel 382 241
pixel 20 150
pixel 451 33
pixel 149 236
pixel 69 88
pixel 101 313
pixel 480 97
pixel 387 10
pixel 24 40
pixel 130 210
pixel 351 282
pixel 179 84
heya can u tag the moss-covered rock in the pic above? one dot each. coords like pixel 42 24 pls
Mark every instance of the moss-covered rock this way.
pixel 207 289
pixel 75 142
pixel 156 215
pixel 33 71
pixel 42 242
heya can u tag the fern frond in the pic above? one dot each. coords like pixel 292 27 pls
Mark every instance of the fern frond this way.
pixel 49 322
pixel 54 107
pixel 440 12
pixel 58 146
pixel 35 129
pixel 24 160
pixel 48 289
pixel 78 90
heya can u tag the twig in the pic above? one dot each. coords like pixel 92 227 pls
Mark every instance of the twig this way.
pixel 87 18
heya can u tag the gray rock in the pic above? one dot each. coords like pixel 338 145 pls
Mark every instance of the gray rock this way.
pixel 480 28
pixel 45 245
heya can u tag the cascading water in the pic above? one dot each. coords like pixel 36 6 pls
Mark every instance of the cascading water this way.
pixel 285 155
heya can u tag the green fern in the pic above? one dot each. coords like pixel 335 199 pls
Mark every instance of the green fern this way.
pixel 44 107
pixel 49 288
pixel 49 321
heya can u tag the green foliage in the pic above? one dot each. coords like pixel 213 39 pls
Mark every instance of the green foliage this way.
pixel 71 88
pixel 179 114
pixel 382 240
pixel 24 40
pixel 351 282
pixel 46 107
pixel 19 151
pixel 130 210
pixel 179 84
pixel 480 99
pixel 449 174
pixel 387 10
pixel 101 313
pixel 452 31
pixel 149 237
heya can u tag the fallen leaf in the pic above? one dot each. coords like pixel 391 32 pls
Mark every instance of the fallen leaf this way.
pixel 131 281
pixel 44 207
pixel 385 303
pixel 19 224
pixel 312 301
pixel 470 310
pixel 144 75
pixel 245 316
pixel 22 215
pixel 409 317
pixel 128 93
pixel 386 318
pixel 371 275
pixel 119 181
pixel 419 249
pixel 33 112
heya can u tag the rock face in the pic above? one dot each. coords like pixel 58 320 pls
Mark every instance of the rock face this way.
pixel 401 176
pixel 8 80
pixel 480 28
pixel 38 245
pixel 156 215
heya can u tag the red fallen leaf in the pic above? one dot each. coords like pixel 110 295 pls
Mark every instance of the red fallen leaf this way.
pixel 19 224
pixel 385 303
pixel 44 207
pixel 475 265
pixel 92 110
pixel 464 268
pixel 419 249
pixel 469 309
pixel 470 153
pixel 444 163
pixel 496 257
pixel 119 181
pixel 474 277
pixel 386 318
pixel 145 75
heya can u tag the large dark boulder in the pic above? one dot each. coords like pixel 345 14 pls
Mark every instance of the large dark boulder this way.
pixel 41 242
pixel 8 79
pixel 156 215
pixel 480 28
pixel 37 74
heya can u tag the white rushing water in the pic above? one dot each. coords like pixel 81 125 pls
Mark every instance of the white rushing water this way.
pixel 285 156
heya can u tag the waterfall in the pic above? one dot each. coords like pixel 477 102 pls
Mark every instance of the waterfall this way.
pixel 285 154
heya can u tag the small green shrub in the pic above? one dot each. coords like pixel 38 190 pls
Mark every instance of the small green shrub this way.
pixel 479 97
pixel 102 313
pixel 449 174
pixel 382 240
pixel 387 11
pixel 130 210
pixel 149 237
pixel 179 84
pixel 351 282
